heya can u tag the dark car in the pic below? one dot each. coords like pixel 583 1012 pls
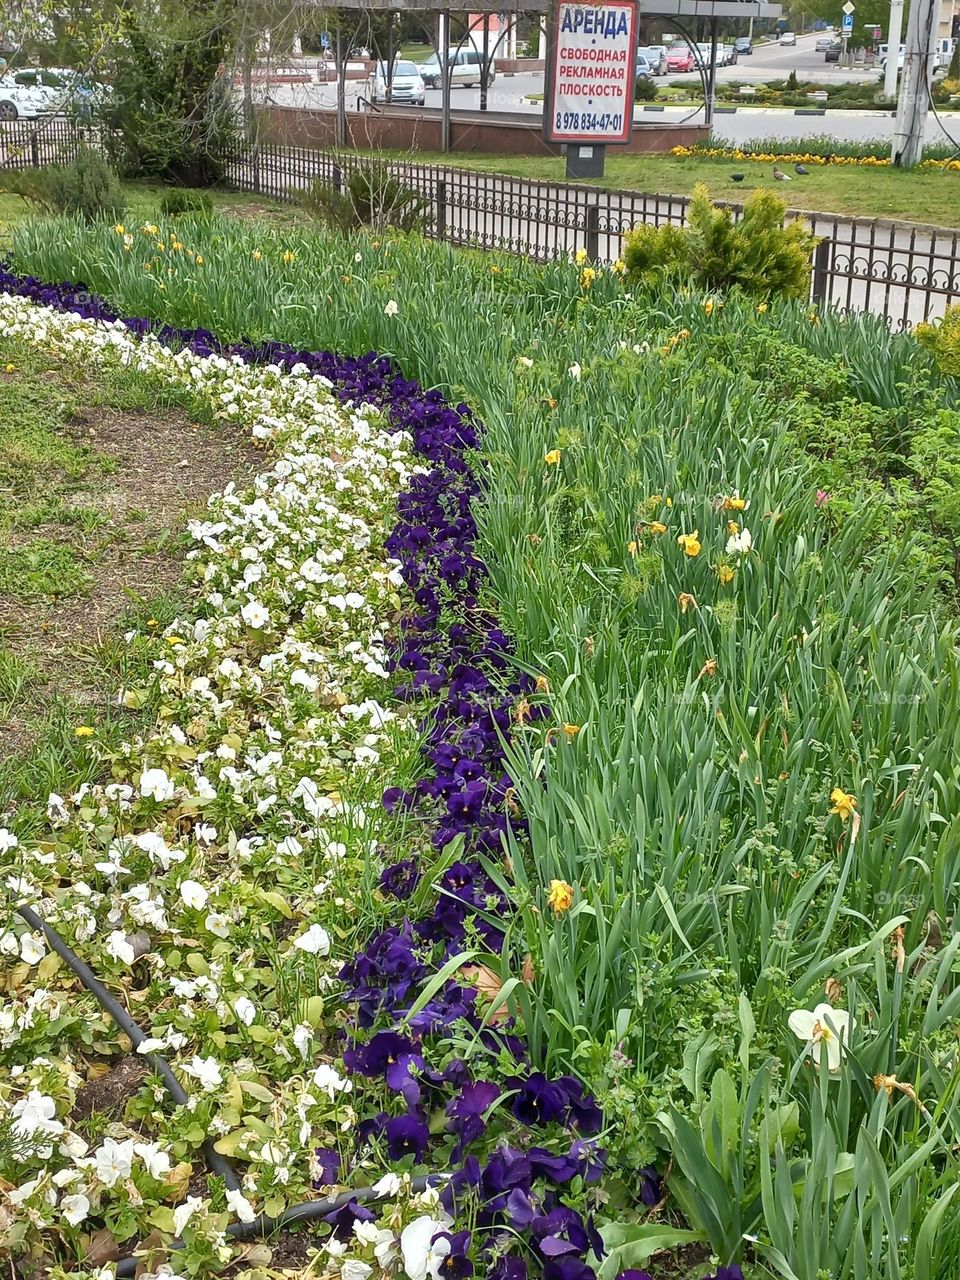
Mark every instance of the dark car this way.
pixel 742 46
pixel 833 53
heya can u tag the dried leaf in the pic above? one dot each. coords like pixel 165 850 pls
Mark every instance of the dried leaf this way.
pixel 528 973
pixel 101 1248
pixel 488 984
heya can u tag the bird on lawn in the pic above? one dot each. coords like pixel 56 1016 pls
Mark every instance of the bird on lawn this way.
pixel 780 176
pixel 738 177
pixel 800 168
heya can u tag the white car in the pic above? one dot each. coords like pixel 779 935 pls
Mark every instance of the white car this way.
pixel 884 54
pixel 406 84
pixel 466 68
pixel 23 101
pixel 788 37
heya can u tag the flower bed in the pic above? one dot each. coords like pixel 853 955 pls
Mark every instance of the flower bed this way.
pixel 243 831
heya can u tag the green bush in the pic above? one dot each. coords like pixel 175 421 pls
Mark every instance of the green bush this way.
pixel 759 254
pixel 943 340
pixel 372 197
pixel 86 188
pixel 182 200
pixel 645 89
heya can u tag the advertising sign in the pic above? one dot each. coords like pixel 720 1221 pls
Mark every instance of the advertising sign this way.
pixel 592 72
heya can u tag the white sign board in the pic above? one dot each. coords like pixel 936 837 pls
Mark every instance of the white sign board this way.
pixel 591 88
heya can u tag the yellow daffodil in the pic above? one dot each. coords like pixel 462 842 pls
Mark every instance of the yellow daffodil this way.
pixel 580 257
pixel 173 641
pixel 152 622
pixel 709 668
pixel 761 308
pixel 543 684
pixel 657 526
pixel 560 897
pixel 199 259
pixel 552 458
pixel 256 255
pixel 288 256
pixel 571 730
pixel 587 277
pixel 619 267
pixel 690 542
pixel 686 601
pixel 521 711
pixel 708 307
pixel 724 573
pixel 732 527
pixel 843 804
pixel 83 731
pixel 632 548
pixel 683 335
pixel 10 368
pixel 120 229
pixel 494 270
pixel 160 246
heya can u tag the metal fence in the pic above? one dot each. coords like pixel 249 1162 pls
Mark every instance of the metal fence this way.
pixel 26 144
pixel 906 273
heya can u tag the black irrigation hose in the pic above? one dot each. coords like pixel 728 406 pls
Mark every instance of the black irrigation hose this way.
pixel 264 1225
pixel 261 1226
pixel 215 1161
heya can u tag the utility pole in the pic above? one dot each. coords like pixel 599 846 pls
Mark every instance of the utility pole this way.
pixel 915 85
pixel 893 49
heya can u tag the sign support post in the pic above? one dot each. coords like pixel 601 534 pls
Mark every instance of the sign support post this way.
pixel 590 80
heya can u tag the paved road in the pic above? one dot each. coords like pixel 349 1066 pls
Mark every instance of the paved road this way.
pixel 513 93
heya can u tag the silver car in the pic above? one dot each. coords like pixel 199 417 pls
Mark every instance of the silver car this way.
pixel 656 58
pixel 406 84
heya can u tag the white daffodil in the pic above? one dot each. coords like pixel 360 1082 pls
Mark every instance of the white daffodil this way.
pixel 156 785
pixel 240 1206
pixel 113 1161
pixel 316 941
pixel 193 894
pixel 575 372
pixel 75 1209
pixel 825 1027
pixel 36 1113
pixel 421 1257
pixel 738 544
pixel 391 308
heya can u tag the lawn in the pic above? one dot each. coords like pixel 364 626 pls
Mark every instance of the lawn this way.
pixel 548 780
pixel 931 196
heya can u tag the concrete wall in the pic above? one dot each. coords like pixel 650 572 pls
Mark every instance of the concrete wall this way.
pixel 419 130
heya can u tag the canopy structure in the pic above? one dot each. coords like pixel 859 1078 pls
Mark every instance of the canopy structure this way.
pixel 680 11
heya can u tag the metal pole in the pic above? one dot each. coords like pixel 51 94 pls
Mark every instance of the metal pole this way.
pixel 915 83
pixel 389 76
pixel 445 73
pixel 341 126
pixel 711 75
pixel 893 49
pixel 485 62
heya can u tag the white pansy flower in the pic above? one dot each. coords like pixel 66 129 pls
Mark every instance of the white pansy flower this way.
pixel 255 615
pixel 75 1209
pixel 36 1113
pixel 184 1212
pixel 193 894
pixel 240 1206
pixel 119 948
pixel 387 1187
pixel 156 785
pixel 316 941
pixel 32 948
pixel 113 1161
pixel 330 1081
pixel 157 1162
pixel 205 1071
pixel 354 1269
pixel 8 840
pixel 421 1257
pixel 245 1010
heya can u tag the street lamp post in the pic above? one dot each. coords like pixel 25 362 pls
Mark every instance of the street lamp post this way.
pixel 893 49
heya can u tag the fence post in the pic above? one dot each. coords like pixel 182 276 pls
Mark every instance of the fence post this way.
pixel 822 262
pixel 441 198
pixel 34 149
pixel 337 178
pixel 593 232
pixel 255 168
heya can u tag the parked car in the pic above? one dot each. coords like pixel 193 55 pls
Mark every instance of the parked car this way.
pixel 823 44
pixel 23 102
pixel 466 68
pixel 643 71
pixel 406 84
pixel 788 37
pixel 680 58
pixel 655 57
pixel 64 89
pixel 903 58
pixel 743 46
pixel 833 51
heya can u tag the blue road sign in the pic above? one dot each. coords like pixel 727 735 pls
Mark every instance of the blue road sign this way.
pixel 847 24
